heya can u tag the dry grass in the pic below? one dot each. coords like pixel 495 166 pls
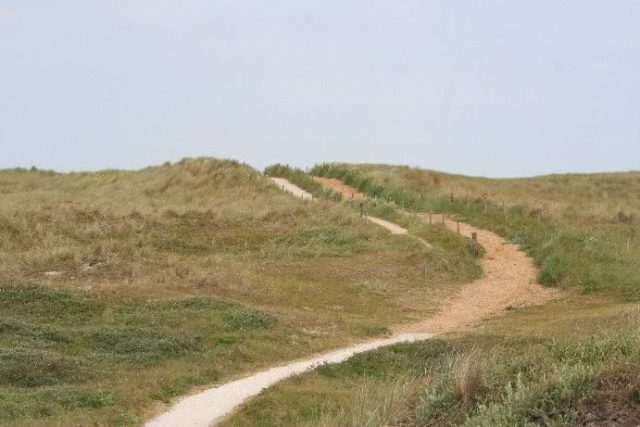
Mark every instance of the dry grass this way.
pixel 582 230
pixel 579 197
pixel 125 289
pixel 575 361
pixel 559 364
pixel 469 379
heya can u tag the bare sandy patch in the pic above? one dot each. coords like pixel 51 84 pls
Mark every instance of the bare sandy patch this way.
pixel 340 187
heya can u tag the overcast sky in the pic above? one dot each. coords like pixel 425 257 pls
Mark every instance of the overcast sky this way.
pixel 494 88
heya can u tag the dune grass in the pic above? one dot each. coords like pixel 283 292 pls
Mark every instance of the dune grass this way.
pixel 582 230
pixel 540 366
pixel 120 290
pixel 572 362
pixel 65 356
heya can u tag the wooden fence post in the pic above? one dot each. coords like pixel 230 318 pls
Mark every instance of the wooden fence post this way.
pixel 474 243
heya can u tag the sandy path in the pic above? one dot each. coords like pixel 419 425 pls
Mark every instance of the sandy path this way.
pixel 350 192
pixel 393 228
pixel 396 229
pixel 299 192
pixel 340 187
pixel 291 188
pixel 509 279
pixel 210 406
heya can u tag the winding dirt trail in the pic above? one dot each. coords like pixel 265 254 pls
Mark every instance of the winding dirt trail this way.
pixel 509 280
pixel 210 406
pixel 340 187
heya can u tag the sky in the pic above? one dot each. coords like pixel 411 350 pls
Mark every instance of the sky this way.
pixel 495 88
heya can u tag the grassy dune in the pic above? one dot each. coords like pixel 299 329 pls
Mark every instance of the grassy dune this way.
pixel 582 230
pixel 120 290
pixel 572 362
pixel 544 366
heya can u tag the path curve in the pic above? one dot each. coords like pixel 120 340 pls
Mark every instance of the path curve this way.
pixel 509 279
pixel 210 406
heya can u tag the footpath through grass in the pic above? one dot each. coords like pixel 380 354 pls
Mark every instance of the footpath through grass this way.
pixel 582 230
pixel 542 366
pixel 571 362
pixel 120 290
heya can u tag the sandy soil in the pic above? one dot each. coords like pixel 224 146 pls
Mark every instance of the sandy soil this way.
pixel 340 187
pixel 509 279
